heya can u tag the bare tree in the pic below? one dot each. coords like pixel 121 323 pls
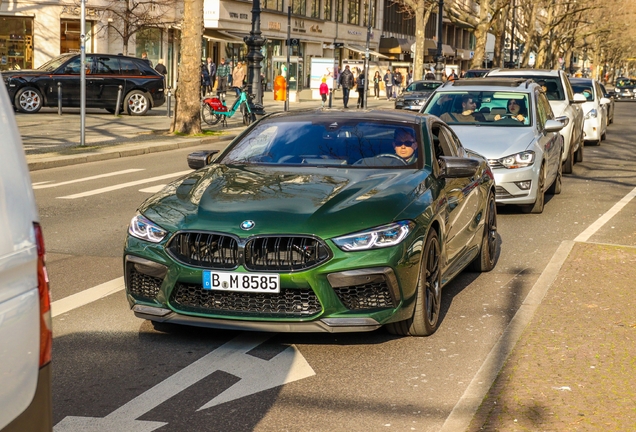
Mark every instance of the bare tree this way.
pixel 421 10
pixel 187 117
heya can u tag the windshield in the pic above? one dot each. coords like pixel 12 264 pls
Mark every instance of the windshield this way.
pixel 624 82
pixel 350 143
pixel 55 63
pixel 423 86
pixel 552 86
pixel 485 108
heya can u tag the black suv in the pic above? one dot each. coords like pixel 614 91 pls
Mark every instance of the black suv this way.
pixel 624 88
pixel 142 88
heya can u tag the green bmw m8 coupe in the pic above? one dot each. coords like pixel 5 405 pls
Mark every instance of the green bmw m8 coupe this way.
pixel 314 221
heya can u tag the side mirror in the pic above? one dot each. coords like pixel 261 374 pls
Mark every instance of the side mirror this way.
pixel 553 126
pixel 579 98
pixel 457 167
pixel 564 120
pixel 200 159
pixel 605 101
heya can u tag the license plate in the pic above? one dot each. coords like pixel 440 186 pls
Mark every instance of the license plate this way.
pixel 241 282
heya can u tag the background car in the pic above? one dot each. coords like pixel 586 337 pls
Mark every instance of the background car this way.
pixel 414 96
pixel 610 106
pixel 475 73
pixel 563 102
pixel 315 221
pixel 596 118
pixel 142 87
pixel 624 88
pixel 25 314
pixel 523 148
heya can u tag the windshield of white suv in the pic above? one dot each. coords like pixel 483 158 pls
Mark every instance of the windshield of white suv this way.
pixel 483 108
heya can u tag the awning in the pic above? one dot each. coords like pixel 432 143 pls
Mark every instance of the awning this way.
pixel 448 50
pixel 362 50
pixel 221 36
pixel 393 45
pixel 463 54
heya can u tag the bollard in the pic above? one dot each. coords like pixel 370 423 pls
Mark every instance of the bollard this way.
pixel 59 98
pixel 330 96
pixel 119 91
pixel 169 96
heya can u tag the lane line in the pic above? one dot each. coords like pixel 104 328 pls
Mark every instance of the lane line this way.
pixel 592 229
pixel 124 185
pixel 87 296
pixel 50 185
pixel 152 189
pixel 41 183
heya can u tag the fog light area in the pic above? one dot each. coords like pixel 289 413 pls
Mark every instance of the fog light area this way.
pixel 524 185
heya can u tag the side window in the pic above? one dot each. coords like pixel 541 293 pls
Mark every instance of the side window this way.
pixel 443 142
pixel 449 143
pixel 107 66
pixel 129 67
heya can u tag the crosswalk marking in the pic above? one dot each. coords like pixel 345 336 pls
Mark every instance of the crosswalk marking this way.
pixel 41 185
pixel 124 185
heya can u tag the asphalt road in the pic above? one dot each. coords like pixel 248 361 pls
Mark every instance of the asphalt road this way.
pixel 114 372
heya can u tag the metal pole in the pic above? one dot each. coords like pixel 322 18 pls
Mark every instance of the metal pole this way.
pixel 83 74
pixel 288 54
pixel 512 35
pixel 59 98
pixel 366 60
pixel 254 42
pixel 439 66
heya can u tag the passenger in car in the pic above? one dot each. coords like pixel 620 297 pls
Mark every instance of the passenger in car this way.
pixel 467 113
pixel 516 110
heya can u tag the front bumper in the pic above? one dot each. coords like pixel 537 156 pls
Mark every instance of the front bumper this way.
pixel 592 129
pixel 508 190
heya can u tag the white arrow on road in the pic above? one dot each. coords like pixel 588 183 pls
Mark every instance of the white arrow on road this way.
pixel 256 375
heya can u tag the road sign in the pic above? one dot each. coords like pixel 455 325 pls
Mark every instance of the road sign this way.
pixel 293 42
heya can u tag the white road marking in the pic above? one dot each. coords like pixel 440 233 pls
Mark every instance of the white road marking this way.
pixel 79 180
pixel 152 189
pixel 256 375
pixel 85 297
pixel 40 183
pixel 592 229
pixel 124 185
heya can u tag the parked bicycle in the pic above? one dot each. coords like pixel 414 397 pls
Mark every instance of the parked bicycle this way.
pixel 214 110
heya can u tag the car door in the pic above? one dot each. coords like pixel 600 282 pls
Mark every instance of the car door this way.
pixel 550 142
pixel 461 197
pixel 68 76
pixel 103 83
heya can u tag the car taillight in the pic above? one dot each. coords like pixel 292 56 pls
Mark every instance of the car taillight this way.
pixel 46 335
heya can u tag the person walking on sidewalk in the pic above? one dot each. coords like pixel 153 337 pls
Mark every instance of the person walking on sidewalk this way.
pixel 212 72
pixel 161 68
pixel 324 91
pixel 376 84
pixel 205 80
pixel 346 81
pixel 222 73
pixel 238 75
pixel 360 88
pixel 388 84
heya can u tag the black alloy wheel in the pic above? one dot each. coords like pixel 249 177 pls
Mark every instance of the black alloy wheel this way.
pixel 487 258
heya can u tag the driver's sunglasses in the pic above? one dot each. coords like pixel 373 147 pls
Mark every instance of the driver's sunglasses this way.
pixel 409 143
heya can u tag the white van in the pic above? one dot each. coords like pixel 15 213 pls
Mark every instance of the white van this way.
pixel 25 306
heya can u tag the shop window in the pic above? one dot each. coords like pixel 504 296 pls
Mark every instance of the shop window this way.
pixel 354 12
pixel 16 43
pixel 70 36
pixel 149 41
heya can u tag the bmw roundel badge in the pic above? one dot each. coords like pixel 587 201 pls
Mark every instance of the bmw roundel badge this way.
pixel 247 225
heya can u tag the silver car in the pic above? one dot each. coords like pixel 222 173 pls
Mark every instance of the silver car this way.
pixel 511 123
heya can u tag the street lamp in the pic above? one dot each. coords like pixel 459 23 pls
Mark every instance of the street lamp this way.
pixel 366 60
pixel 439 66
pixel 255 42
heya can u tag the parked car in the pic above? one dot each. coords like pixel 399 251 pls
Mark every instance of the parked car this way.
pixel 511 123
pixel 624 88
pixel 610 107
pixel 596 107
pixel 142 88
pixel 414 96
pixel 475 73
pixel 315 221
pixel 25 314
pixel 565 104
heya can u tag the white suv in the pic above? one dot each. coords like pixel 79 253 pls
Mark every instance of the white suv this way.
pixel 564 102
pixel 25 306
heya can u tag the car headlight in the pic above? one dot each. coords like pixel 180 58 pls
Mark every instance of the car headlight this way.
pixel 144 229
pixel 519 160
pixel 591 114
pixel 380 237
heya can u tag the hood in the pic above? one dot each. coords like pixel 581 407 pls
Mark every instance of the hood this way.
pixel 325 202
pixel 495 142
pixel 418 95
pixel 22 73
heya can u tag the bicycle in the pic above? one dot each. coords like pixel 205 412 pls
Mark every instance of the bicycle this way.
pixel 214 110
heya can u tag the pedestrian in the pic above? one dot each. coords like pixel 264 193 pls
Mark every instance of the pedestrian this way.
pixel 360 88
pixel 324 91
pixel 222 73
pixel 376 84
pixel 161 68
pixel 229 75
pixel 409 77
pixel 346 82
pixel 205 79
pixel 144 56
pixel 212 72
pixel 238 75
pixel 453 75
pixel 430 75
pixel 388 84
pixel 398 79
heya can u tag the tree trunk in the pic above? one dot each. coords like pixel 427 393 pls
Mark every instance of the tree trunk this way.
pixel 187 117
pixel 480 33
pixel 422 15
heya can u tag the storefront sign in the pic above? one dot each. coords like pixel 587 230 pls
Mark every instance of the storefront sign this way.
pixel 75 10
pixel 273 25
pixel 315 29
pixel 238 16
pixel 354 32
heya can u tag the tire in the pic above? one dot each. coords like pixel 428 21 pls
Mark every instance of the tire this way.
pixel 137 103
pixel 557 184
pixel 489 251
pixel 248 118
pixel 568 165
pixel 428 297
pixel 28 100
pixel 208 116
pixel 537 207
